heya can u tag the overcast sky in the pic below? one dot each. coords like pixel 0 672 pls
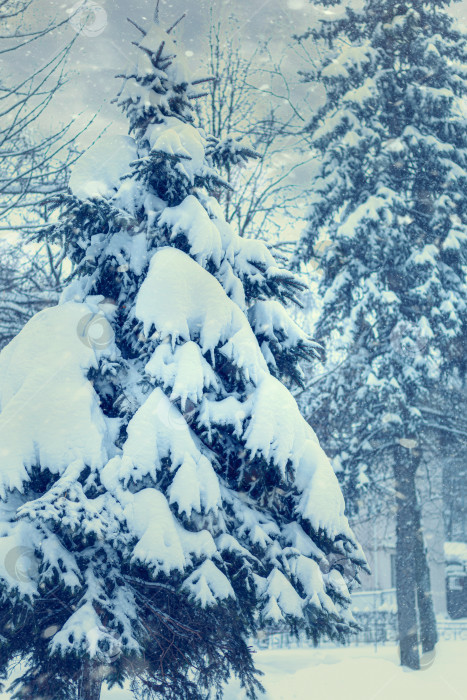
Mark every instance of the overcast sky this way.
pixel 105 48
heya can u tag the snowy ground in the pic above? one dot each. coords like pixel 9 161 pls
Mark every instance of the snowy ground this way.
pixel 353 673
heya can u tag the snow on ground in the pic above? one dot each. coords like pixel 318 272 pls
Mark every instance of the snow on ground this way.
pixel 353 673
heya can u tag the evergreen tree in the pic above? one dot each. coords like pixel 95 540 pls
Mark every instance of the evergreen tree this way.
pixel 162 496
pixel 390 199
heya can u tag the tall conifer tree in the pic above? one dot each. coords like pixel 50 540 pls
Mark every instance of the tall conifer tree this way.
pixel 155 473
pixel 390 200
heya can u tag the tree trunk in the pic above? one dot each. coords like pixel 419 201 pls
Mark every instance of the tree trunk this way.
pixel 428 630
pixel 406 580
pixel 90 683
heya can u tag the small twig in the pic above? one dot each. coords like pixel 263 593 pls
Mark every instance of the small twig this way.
pixel 210 78
pixel 175 23
pixel 159 52
pixel 137 26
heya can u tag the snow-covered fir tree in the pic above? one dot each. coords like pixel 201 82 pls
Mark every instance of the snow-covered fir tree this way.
pixel 161 496
pixel 390 199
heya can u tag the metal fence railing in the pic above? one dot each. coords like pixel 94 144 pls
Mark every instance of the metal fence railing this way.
pixel 378 628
